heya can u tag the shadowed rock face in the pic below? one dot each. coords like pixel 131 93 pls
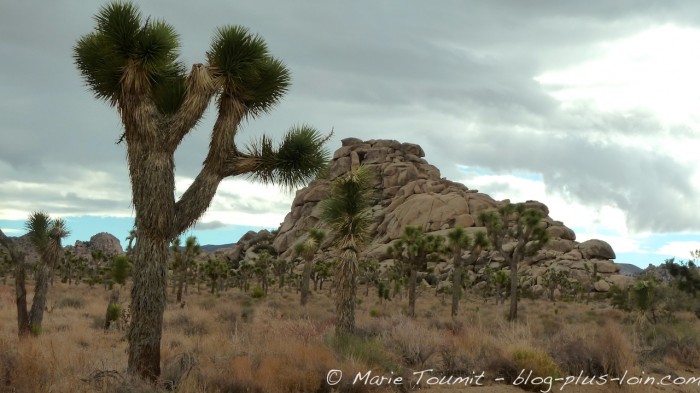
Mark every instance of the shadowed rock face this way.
pixel 410 191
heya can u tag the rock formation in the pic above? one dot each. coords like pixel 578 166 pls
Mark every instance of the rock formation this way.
pixel 107 243
pixel 410 191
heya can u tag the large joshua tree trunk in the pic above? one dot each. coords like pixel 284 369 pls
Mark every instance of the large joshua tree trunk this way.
pixel 456 282
pixel 513 312
pixel 345 301
pixel 305 281
pixel 148 296
pixel 20 287
pixel 412 281
pixel 36 315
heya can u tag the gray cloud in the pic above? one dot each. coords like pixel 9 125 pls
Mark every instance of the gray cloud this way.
pixel 652 187
pixel 206 226
pixel 456 77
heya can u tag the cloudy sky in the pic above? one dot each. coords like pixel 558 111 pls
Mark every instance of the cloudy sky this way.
pixel 590 107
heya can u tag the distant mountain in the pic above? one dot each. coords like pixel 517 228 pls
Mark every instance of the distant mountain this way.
pixel 214 247
pixel 628 269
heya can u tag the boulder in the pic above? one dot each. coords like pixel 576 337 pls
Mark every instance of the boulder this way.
pixel 596 249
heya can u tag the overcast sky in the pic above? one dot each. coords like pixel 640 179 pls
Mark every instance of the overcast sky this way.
pixel 590 107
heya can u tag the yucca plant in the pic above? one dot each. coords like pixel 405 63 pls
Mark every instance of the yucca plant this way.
pixel 347 213
pixel 46 235
pixel 133 64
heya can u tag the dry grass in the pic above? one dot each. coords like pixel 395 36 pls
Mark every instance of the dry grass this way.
pixel 233 343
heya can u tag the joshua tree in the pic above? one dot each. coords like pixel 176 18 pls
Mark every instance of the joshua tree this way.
pixel 524 227
pixel 133 65
pixel 306 250
pixel 183 262
pixel 369 273
pixel 413 250
pixel 17 257
pixel 46 235
pixel 216 269
pixel 322 271
pixel 280 267
pixel 347 212
pixel 130 239
pixel 457 241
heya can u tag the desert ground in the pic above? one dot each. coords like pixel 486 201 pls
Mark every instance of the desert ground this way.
pixel 234 342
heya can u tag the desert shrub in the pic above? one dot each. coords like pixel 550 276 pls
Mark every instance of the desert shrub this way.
pixel 612 350
pixel 113 312
pixel 413 342
pixel 524 363
pixel 291 367
pixel 257 293
pixel 368 350
pixel 8 362
pixel 70 302
pixel 176 370
pixel 680 342
pixel 455 361
pixel 207 303
pixel 541 364
pixel 247 313
pixel 188 326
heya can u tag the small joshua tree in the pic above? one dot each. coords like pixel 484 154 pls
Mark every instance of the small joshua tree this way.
pixel 522 225
pixel 458 241
pixel 306 250
pixel 413 250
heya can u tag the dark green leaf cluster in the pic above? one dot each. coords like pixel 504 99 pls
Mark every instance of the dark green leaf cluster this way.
pixel 44 231
pixel 121 40
pixel 686 276
pixel 415 247
pixel 347 209
pixel 295 162
pixel 252 75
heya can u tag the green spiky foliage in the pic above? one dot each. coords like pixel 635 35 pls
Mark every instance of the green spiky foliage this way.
pixel 133 64
pixel 369 273
pixel 457 242
pixel 307 250
pixel 522 225
pixel 347 213
pixel 413 250
pixel 120 269
pixel 130 239
pixel 46 235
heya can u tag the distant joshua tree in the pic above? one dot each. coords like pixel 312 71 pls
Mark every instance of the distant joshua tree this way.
pixel 306 250
pixel 347 212
pixel 413 250
pixel 523 226
pixel 457 242
pixel 133 65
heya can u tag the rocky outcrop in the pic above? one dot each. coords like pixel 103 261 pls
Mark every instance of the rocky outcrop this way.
pixel 246 248
pixel 410 191
pixel 105 243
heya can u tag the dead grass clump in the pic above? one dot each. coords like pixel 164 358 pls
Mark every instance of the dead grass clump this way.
pixel 70 302
pixel 370 351
pixel 612 350
pixel 412 341
pixel 176 370
pixel 679 342
pixel 188 326
pixel 8 362
pixel 32 370
pixel 294 368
